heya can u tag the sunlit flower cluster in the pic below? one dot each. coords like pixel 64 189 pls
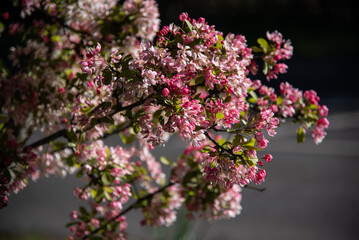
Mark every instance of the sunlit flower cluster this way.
pixel 87 70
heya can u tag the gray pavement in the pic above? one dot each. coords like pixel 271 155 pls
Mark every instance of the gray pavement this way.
pixel 311 193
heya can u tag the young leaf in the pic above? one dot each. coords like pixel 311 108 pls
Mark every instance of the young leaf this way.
pixel 300 135
pixel 219 115
pixel 189 25
pixel 263 43
pixel 221 141
pixel 106 179
pixel 165 160
pixel 249 143
pixel 72 136
pixel 127 139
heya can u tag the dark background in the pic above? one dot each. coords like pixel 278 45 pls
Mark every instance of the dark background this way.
pixel 312 191
pixel 324 33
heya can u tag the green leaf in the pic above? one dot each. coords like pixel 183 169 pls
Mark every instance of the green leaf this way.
pixel 127 73
pixel 127 58
pixel 249 143
pixel 108 189
pixel 178 38
pixel 107 153
pixel 93 193
pixel 213 164
pixel 107 119
pixel 106 178
pixel 136 128
pixel 70 224
pixel 219 44
pixel 108 196
pixel 107 74
pixel 313 106
pixel 59 146
pixel 199 80
pixel 93 122
pixel 228 99
pixel 206 149
pixel 189 25
pixel 252 100
pixel 71 161
pixel 165 160
pixel 100 195
pixel 250 163
pixel 256 49
pixel 313 116
pixel 55 38
pixel 300 135
pixel 254 95
pixel 161 119
pixel 71 144
pixel 221 142
pixel 219 115
pixel 127 139
pixel 263 43
pixel 83 211
pixel 237 140
pixel 72 136
pixel 80 173
pixel 265 68
pixel 82 136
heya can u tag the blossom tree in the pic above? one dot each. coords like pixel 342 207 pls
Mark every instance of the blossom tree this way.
pixel 78 71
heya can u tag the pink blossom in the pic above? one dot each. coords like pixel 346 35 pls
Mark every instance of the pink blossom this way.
pixel 323 111
pixel 268 158
pixel 318 134
pixel 323 123
pixel 165 92
pixel 183 16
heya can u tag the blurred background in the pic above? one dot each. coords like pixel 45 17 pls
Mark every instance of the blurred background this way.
pixel 311 191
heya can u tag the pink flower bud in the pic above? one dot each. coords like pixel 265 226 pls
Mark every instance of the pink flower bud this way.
pixel 6 15
pixel 73 215
pixel 165 92
pixel 98 48
pixel 98 90
pixel 268 158
pixel 183 16
pixel 90 84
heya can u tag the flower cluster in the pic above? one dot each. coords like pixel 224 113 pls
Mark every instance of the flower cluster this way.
pixel 88 70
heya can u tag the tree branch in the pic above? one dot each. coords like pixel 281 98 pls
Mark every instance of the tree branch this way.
pixel 129 208
pixel 60 133
pixel 219 146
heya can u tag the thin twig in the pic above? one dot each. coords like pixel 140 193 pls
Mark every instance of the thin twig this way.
pixel 219 146
pixel 255 188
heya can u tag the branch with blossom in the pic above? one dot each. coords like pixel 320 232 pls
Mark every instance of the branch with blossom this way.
pixel 83 71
